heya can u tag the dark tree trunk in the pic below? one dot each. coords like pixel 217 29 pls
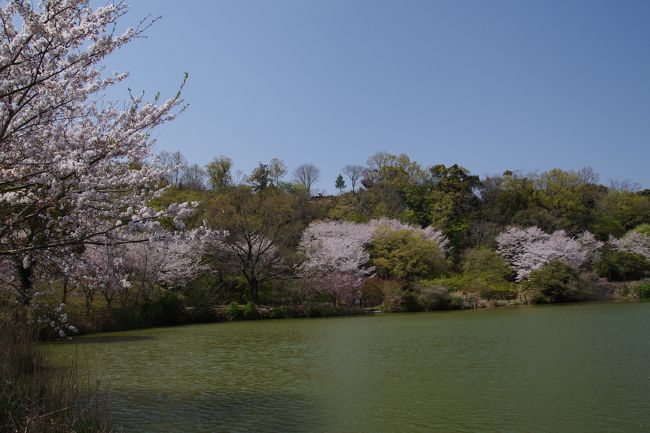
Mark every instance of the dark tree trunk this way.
pixel 26 283
pixel 64 294
pixel 254 284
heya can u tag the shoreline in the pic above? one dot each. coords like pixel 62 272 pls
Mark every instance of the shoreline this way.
pixel 375 312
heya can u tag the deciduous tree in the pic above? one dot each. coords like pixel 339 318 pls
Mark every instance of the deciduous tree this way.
pixel 219 172
pixel 307 175
pixel 73 165
pixel 354 173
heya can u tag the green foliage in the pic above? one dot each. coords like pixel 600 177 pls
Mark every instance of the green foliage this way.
pixel 487 273
pixel 340 183
pixel 643 290
pixel 644 229
pixel 486 262
pixel 260 177
pixel 262 230
pixel 452 199
pixel 622 266
pixel 393 295
pixel 567 198
pixel 234 312
pixel 433 296
pixel 605 226
pixel 627 208
pixel 248 312
pixel 405 254
pixel 557 282
pixel 413 272
pixel 219 172
pixel 277 313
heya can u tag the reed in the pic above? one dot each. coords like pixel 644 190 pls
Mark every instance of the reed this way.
pixel 36 396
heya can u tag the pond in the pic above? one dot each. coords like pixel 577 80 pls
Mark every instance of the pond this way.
pixel 575 368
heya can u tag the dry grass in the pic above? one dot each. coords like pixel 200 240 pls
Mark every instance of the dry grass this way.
pixel 37 397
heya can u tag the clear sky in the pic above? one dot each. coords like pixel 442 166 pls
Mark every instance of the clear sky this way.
pixel 491 85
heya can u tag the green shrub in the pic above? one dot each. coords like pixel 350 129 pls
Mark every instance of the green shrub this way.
pixel 643 290
pixel 166 309
pixel 557 282
pixel 434 297
pixel 277 313
pixel 644 229
pixel 393 294
pixel 234 312
pixel 248 312
pixel 622 266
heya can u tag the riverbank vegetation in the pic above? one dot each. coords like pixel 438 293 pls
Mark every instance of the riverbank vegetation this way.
pixel 408 238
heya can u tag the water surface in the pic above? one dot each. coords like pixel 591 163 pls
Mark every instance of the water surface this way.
pixel 579 368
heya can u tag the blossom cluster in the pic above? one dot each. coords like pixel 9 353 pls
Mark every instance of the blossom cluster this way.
pixel 633 242
pixel 528 249
pixel 336 256
pixel 73 165
pixel 57 320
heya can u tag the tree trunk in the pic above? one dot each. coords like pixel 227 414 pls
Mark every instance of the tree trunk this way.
pixel 64 294
pixel 26 283
pixel 254 286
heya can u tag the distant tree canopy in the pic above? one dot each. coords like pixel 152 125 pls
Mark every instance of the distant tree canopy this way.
pixel 555 215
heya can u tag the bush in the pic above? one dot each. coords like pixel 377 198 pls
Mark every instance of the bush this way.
pixel 434 297
pixel 166 309
pixel 557 282
pixel 234 313
pixel 277 313
pixel 393 294
pixel 644 229
pixel 372 293
pixel 622 266
pixel 643 290
pixel 248 312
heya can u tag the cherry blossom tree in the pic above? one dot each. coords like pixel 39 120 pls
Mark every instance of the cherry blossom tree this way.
pixel 336 256
pixel 590 244
pixel 73 165
pixel 633 242
pixel 529 249
pixel 132 271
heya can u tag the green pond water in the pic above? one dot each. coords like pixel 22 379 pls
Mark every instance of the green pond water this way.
pixel 578 368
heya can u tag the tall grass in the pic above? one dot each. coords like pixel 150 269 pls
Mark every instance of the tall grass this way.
pixel 38 397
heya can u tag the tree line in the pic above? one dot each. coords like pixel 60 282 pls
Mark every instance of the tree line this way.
pixel 371 250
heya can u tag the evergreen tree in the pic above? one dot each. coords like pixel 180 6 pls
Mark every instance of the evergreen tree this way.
pixel 340 183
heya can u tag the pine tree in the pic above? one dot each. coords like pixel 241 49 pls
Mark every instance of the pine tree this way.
pixel 340 183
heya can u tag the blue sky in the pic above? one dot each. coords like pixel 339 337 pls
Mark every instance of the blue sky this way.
pixel 491 85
